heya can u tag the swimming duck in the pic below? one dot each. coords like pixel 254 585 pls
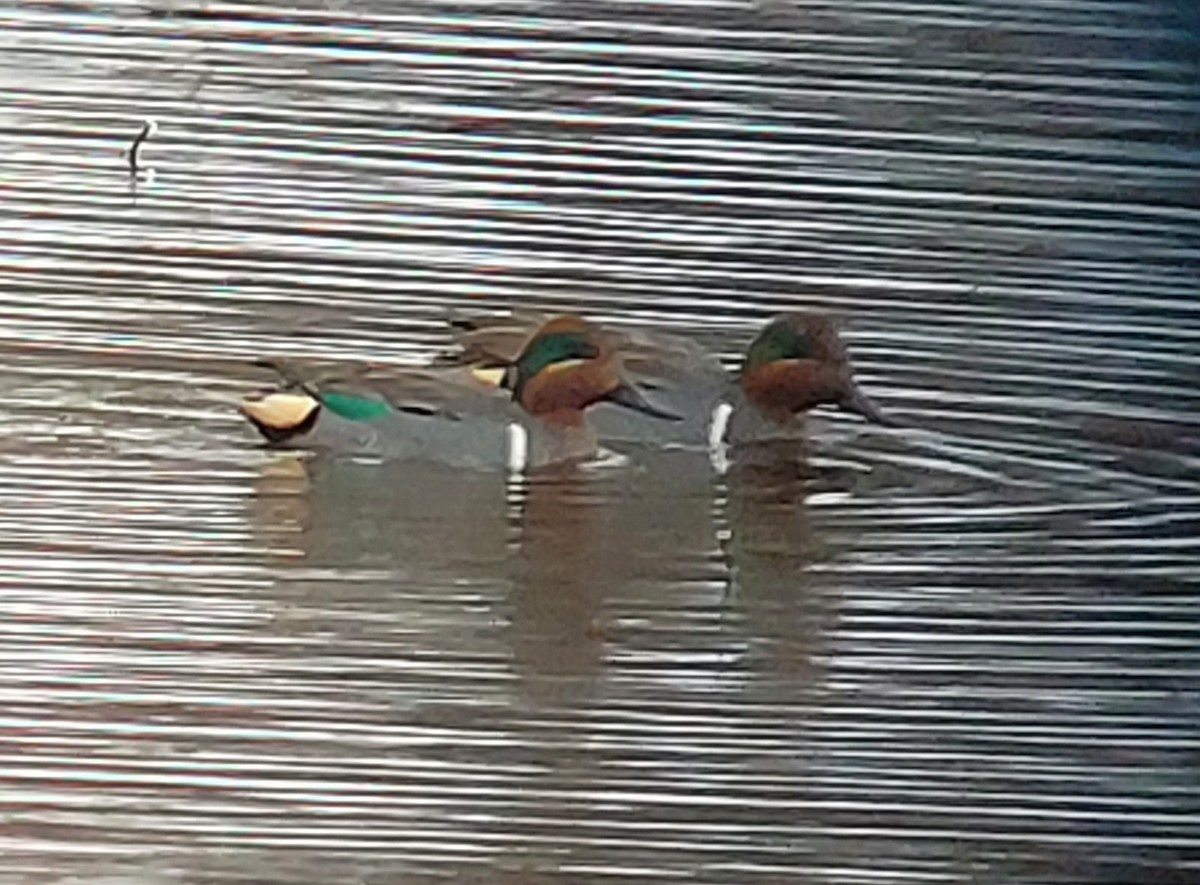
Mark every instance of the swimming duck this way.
pixel 796 362
pixel 680 375
pixel 529 414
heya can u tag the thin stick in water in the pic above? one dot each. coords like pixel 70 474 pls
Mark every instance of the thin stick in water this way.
pixel 148 129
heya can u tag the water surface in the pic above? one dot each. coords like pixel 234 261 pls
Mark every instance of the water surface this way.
pixel 960 652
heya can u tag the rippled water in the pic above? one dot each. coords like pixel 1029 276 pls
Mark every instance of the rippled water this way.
pixel 964 651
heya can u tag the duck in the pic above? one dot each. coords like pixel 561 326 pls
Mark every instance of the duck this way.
pixel 795 363
pixel 526 414
pixel 683 377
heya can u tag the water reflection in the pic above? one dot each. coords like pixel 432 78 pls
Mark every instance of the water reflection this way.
pixel 544 557
pixel 383 554
pixel 771 549
pixel 558 605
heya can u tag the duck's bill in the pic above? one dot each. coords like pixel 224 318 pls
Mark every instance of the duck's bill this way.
pixel 631 398
pixel 859 403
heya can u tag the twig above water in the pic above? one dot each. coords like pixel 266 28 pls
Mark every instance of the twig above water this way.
pixel 148 129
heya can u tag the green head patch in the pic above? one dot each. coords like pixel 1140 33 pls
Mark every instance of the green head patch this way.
pixel 546 350
pixel 780 340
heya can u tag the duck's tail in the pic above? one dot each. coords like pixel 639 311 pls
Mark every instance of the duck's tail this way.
pixel 280 416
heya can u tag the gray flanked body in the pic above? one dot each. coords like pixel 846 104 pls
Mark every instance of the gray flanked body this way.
pixel 418 415
pixel 476 441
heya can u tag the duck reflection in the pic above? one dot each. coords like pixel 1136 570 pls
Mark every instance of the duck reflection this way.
pixel 555 575
pixel 543 627
pixel 381 558
pixel 560 584
pixel 592 549
pixel 473 563
pixel 772 550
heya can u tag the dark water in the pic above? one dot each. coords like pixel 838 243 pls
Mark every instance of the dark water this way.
pixel 963 652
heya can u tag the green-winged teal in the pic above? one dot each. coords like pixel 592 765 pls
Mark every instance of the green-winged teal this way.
pixel 529 415
pixel 796 362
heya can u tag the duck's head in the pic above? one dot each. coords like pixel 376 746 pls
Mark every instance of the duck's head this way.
pixel 566 366
pixel 798 362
